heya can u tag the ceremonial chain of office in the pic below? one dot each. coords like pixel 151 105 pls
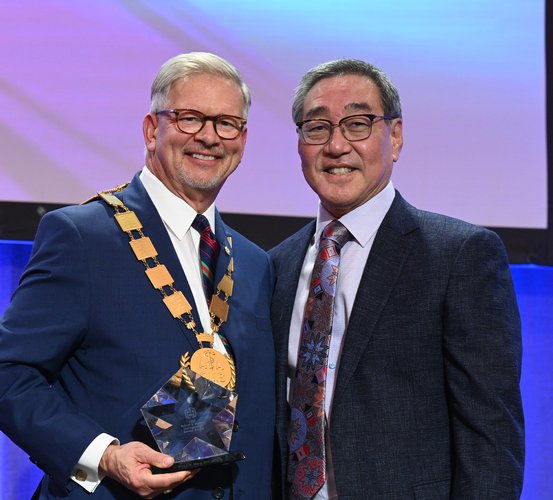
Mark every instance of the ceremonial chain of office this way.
pixel 206 361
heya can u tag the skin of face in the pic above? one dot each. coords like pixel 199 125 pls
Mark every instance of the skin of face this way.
pixel 195 167
pixel 347 174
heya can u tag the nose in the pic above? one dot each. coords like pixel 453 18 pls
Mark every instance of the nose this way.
pixel 338 144
pixel 207 134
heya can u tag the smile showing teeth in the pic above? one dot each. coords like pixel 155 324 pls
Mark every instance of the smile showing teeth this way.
pixel 339 170
pixel 202 157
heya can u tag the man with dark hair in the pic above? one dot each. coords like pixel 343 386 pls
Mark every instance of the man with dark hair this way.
pixel 97 326
pixel 398 354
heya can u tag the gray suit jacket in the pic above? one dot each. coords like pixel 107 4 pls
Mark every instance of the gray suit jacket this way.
pixel 427 402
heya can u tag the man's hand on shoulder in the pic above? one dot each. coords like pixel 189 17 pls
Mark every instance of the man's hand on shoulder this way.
pixel 130 464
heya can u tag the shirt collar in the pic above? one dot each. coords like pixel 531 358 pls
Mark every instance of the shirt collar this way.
pixel 174 211
pixel 364 221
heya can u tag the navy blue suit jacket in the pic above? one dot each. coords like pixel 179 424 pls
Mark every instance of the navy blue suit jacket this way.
pixel 427 402
pixel 87 340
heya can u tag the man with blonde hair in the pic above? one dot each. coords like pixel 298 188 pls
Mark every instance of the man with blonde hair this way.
pixel 97 326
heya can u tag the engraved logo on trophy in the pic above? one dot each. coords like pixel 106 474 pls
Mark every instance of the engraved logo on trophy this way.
pixel 191 418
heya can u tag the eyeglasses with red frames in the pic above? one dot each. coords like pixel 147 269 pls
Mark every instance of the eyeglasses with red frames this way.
pixel 190 121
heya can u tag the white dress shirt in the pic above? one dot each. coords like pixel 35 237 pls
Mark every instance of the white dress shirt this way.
pixel 177 217
pixel 362 223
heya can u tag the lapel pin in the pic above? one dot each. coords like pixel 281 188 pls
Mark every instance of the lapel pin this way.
pixel 227 250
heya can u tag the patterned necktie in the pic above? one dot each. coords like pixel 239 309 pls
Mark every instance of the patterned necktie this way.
pixel 209 250
pixel 307 459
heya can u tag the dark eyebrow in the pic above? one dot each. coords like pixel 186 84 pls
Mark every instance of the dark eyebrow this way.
pixel 319 110
pixel 358 106
pixel 352 106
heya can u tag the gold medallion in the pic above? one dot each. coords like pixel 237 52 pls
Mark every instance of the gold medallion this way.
pixel 213 365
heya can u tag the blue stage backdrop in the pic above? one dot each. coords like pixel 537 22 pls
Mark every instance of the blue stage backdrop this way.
pixel 534 287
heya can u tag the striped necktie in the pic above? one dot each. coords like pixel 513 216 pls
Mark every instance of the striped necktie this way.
pixel 209 250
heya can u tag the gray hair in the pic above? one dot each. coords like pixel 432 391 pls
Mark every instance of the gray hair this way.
pixel 342 67
pixel 194 63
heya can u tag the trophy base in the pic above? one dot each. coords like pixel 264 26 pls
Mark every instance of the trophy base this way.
pixel 201 462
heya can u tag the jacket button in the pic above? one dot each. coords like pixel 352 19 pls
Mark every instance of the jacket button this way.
pixel 235 426
pixel 218 493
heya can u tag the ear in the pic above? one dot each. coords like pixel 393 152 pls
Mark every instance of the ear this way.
pixel 397 138
pixel 149 129
pixel 244 136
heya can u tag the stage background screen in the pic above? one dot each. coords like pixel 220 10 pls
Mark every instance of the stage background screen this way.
pixel 75 77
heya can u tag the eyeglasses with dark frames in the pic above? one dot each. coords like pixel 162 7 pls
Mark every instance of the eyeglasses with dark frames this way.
pixel 354 128
pixel 190 121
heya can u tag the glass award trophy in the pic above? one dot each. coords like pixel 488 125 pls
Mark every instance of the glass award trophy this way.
pixel 191 419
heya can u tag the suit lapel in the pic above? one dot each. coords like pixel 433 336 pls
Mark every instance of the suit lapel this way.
pixel 227 252
pixel 288 276
pixel 388 254
pixel 290 258
pixel 136 198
